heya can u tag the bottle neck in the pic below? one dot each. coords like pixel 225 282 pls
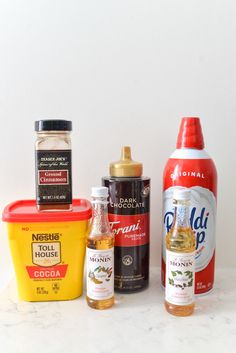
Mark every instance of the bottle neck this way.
pixel 189 153
pixel 181 214
pixel 100 222
pixel 53 133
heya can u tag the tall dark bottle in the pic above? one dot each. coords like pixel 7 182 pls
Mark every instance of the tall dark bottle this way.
pixel 128 213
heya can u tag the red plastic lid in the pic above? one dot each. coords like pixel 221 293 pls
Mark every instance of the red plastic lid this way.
pixel 190 134
pixel 26 211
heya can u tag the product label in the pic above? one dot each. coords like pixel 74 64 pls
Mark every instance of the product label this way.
pixel 128 196
pixel 180 269
pixel 46 257
pixel 53 177
pixel 128 203
pixel 100 274
pixel 46 254
pixel 130 230
pixel 37 272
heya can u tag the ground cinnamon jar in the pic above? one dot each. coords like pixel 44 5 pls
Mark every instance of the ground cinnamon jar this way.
pixel 53 165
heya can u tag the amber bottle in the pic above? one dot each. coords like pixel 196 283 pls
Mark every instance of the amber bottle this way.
pixel 180 258
pixel 100 254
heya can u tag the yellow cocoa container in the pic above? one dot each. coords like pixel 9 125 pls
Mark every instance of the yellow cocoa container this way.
pixel 48 249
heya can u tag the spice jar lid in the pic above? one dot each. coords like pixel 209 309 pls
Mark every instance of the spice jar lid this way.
pixel 126 167
pixel 53 125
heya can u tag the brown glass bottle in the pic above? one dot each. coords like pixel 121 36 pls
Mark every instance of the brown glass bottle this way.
pixel 128 212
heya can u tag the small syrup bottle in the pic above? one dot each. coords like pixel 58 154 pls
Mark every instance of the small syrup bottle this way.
pixel 180 258
pixel 100 254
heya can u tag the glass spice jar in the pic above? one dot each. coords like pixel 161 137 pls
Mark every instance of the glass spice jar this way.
pixel 53 165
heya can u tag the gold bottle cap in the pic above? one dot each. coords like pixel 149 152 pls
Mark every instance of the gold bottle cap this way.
pixel 126 167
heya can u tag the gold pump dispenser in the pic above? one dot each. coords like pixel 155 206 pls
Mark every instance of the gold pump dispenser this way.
pixel 126 167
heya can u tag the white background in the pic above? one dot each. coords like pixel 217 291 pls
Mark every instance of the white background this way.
pixel 124 72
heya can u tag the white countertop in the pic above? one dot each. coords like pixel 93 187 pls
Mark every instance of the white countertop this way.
pixel 138 323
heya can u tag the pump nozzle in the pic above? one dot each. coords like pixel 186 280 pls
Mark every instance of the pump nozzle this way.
pixel 126 167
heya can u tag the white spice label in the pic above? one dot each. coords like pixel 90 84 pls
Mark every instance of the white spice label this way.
pixel 180 273
pixel 100 274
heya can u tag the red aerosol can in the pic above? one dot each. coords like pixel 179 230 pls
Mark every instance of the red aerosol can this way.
pixel 191 167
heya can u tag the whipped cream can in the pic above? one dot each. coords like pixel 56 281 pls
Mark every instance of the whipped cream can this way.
pixel 191 167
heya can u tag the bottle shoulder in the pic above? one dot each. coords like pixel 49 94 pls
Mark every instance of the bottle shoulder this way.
pixel 183 162
pixel 181 240
pixel 189 153
pixel 100 241
pixel 100 235
pixel 125 179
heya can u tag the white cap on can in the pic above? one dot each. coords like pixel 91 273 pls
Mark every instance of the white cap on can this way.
pixel 181 194
pixel 99 191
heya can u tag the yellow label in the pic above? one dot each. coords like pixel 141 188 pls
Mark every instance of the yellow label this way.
pixel 48 259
